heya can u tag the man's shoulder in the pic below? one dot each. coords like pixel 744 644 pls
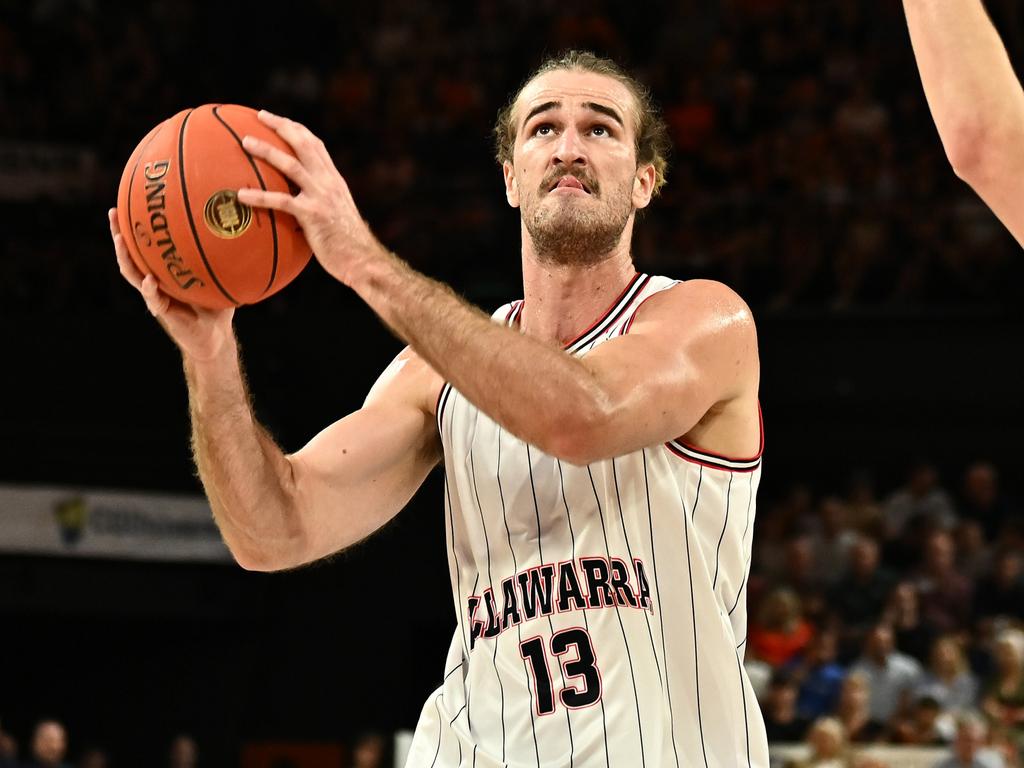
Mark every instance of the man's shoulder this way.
pixel 698 302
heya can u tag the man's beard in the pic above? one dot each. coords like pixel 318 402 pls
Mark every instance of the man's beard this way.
pixel 577 235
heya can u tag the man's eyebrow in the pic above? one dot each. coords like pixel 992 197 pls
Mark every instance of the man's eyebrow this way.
pixel 541 108
pixel 604 111
pixel 593 106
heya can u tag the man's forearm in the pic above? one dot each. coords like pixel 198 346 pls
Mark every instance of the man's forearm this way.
pixel 972 90
pixel 533 389
pixel 243 471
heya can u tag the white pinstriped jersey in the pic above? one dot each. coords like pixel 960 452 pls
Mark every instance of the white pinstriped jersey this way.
pixel 601 609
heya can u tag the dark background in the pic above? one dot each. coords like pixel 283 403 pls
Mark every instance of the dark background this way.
pixel 806 174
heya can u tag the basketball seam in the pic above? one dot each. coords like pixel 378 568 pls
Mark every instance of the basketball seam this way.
pixel 263 185
pixel 188 210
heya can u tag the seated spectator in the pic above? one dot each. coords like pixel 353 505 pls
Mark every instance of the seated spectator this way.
pixel 925 725
pixel 860 596
pixel 921 498
pixel 974 555
pixel 370 751
pixel 945 593
pixel 802 576
pixel 832 540
pixel 1003 700
pixel 780 631
pixel 892 676
pixel 969 749
pixel 8 750
pixel 903 614
pixel 818 676
pixel 949 679
pixel 854 713
pixel 183 752
pixel 94 758
pixel 49 745
pixel 1001 594
pixel 983 501
pixel 781 720
pixel 827 740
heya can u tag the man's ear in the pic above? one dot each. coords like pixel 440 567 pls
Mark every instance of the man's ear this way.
pixel 643 185
pixel 511 184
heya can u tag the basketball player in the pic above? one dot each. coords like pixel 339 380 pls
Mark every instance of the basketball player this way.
pixel 601 442
pixel 975 98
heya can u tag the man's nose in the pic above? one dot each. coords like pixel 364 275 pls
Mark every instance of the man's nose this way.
pixel 569 150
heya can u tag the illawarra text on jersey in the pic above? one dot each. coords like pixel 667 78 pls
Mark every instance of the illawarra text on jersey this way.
pixel 557 588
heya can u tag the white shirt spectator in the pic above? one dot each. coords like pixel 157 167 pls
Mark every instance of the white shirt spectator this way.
pixel 889 683
pixel 960 694
pixel 985 758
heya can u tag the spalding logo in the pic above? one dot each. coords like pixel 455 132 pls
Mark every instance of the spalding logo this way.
pixel 225 216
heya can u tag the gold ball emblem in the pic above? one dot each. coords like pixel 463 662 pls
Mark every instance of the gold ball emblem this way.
pixel 225 216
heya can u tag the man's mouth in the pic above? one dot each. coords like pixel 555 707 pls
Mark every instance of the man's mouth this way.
pixel 569 182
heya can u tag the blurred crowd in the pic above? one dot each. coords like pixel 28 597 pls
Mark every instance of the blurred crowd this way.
pixel 892 620
pixel 806 169
pixel 48 748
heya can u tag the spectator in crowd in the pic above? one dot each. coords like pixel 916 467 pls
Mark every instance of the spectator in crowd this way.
pixel 1000 596
pixel 854 712
pixel 827 740
pixel 973 554
pixel 949 679
pixel 864 513
pixel 370 751
pixel 782 722
pixel 183 752
pixel 921 501
pixel 8 750
pixel 801 574
pixel 925 725
pixel 892 676
pixel 945 593
pixel 49 745
pixel 858 599
pixel 903 614
pixel 781 631
pixel 818 676
pixel 983 501
pixel 1003 699
pixel 969 749
pixel 832 540
pixel 94 758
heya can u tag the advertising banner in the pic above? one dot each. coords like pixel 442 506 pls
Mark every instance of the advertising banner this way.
pixel 102 523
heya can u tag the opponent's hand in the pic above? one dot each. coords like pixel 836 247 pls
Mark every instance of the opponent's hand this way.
pixel 341 240
pixel 200 334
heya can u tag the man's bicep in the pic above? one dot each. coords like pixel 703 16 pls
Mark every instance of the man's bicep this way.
pixel 359 472
pixel 683 355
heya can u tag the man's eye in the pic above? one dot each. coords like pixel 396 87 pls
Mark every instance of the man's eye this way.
pixel 544 129
pixel 599 130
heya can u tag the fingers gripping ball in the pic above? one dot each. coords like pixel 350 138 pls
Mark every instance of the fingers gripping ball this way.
pixel 178 210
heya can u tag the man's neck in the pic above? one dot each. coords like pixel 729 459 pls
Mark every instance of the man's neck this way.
pixel 563 301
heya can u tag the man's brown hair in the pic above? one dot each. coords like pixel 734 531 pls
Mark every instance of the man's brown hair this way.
pixel 652 142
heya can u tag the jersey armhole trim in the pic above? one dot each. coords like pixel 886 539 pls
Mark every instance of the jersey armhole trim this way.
pixel 629 323
pixel 692 453
pixel 442 401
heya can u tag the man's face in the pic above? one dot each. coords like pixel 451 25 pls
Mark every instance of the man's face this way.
pixel 49 743
pixel 574 173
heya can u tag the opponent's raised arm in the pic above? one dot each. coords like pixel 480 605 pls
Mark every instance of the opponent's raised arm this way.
pixel 277 511
pixel 975 98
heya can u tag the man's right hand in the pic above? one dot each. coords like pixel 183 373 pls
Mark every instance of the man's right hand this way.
pixel 201 334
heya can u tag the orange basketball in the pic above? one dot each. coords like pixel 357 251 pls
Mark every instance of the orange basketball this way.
pixel 178 209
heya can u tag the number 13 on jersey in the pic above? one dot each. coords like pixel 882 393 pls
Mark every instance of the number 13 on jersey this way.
pixel 579 672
